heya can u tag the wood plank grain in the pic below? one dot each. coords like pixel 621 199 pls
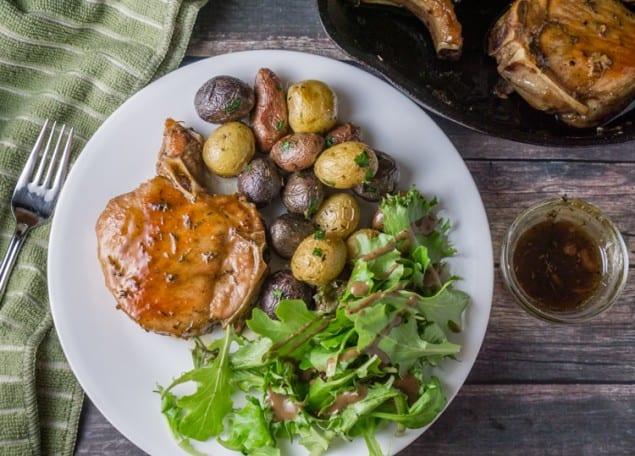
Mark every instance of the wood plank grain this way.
pixel 473 145
pixel 482 420
pixel 253 24
pixel 258 19
pixel 508 186
pixel 534 420
pixel 519 348
pixel 323 46
pixel 97 436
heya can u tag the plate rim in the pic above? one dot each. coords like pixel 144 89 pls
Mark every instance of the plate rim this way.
pixel 57 233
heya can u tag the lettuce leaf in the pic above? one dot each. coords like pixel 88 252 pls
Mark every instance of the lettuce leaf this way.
pixel 343 366
pixel 200 414
pixel 249 431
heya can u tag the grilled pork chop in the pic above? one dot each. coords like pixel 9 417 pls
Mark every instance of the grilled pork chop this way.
pixel 574 58
pixel 177 263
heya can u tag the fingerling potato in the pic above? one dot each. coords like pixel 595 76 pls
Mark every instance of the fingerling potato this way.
pixel 269 118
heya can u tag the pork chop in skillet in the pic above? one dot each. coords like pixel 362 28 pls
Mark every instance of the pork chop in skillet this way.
pixel 177 259
pixel 573 58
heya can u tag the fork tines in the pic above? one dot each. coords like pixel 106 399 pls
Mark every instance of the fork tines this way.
pixel 48 162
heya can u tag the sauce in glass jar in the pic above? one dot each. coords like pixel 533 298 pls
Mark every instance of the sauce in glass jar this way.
pixel 563 261
pixel 558 264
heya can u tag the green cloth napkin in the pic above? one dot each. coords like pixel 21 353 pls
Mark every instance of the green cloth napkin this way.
pixel 74 61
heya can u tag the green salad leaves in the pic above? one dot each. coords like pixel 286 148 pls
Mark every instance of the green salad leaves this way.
pixel 315 376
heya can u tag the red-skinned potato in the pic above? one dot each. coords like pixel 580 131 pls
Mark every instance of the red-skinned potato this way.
pixel 343 132
pixel 297 151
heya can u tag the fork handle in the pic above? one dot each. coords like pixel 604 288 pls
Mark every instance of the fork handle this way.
pixel 21 230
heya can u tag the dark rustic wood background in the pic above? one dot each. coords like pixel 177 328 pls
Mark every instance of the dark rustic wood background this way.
pixel 536 388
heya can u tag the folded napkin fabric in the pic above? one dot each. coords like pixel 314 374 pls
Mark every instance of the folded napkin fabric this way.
pixel 74 61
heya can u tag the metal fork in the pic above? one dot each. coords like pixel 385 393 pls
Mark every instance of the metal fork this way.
pixel 36 191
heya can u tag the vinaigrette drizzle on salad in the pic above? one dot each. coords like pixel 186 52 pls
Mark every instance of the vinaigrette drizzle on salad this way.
pixel 362 359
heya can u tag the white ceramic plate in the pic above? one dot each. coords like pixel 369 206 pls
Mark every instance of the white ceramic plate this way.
pixel 117 363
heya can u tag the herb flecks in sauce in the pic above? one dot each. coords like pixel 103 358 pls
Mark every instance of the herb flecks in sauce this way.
pixel 558 264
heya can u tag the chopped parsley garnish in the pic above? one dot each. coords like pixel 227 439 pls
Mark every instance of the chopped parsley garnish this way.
pixel 319 234
pixel 317 252
pixel 363 160
pixel 369 175
pixel 368 188
pixel 232 106
pixel 279 125
pixel 313 205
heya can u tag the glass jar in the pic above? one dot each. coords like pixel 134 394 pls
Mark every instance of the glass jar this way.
pixel 564 261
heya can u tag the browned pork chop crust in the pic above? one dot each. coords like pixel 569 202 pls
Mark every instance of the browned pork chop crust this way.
pixel 180 158
pixel 574 58
pixel 177 266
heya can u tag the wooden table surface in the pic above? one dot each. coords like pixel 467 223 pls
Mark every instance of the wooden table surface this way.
pixel 535 388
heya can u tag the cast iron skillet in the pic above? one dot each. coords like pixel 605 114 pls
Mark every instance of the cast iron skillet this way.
pixel 392 42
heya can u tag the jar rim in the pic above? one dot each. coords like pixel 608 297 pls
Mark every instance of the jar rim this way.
pixel 614 275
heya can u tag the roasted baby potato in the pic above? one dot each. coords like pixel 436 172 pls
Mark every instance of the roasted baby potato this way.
pixel 384 181
pixel 269 118
pixel 282 285
pixel 287 231
pixel 338 215
pixel 259 181
pixel 303 193
pixel 229 148
pixel 224 99
pixel 312 107
pixel 297 151
pixel 344 132
pixel 319 259
pixel 377 221
pixel 352 245
pixel 346 165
